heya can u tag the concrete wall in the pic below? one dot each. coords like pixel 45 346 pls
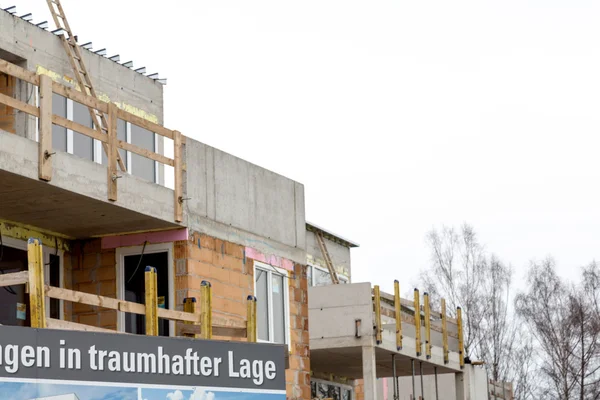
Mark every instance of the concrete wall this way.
pixel 235 200
pixel 340 255
pixel 40 48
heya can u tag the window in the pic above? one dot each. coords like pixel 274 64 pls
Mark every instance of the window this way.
pixel 271 291
pixel 329 390
pixel 84 146
pixel 318 276
pixel 131 267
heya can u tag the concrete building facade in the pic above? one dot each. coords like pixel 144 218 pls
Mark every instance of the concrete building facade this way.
pixel 241 227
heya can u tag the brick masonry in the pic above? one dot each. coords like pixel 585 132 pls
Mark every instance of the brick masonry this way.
pixel 7 114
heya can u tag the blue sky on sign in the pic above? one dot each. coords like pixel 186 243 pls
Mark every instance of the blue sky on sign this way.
pixel 31 391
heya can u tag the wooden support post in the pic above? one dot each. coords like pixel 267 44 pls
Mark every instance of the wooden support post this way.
pixel 417 305
pixel 37 304
pixel 461 344
pixel 112 152
pixel 189 306
pixel 251 319
pixel 377 302
pixel 445 331
pixel 178 178
pixel 151 302
pixel 398 309
pixel 205 310
pixel 45 129
pixel 427 326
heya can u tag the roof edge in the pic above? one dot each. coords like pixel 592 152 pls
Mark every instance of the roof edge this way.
pixel 331 236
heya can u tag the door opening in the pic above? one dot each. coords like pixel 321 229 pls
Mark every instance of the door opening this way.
pixel 135 289
pixel 14 300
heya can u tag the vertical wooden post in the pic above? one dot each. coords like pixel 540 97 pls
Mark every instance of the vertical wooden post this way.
pixel 37 304
pixel 417 305
pixel 377 302
pixel 445 331
pixel 427 326
pixel 112 152
pixel 251 318
pixel 205 310
pixel 151 302
pixel 189 306
pixel 398 308
pixel 45 129
pixel 461 344
pixel 178 178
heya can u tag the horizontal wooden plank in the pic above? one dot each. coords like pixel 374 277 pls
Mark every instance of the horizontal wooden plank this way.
pixel 217 330
pixel 52 323
pixel 19 105
pixel 18 72
pixel 141 122
pixel 84 130
pixel 178 315
pixel 130 307
pixel 15 278
pixel 146 153
pixel 79 97
pixel 94 300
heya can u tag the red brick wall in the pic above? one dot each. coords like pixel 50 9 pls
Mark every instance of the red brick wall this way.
pixel 91 270
pixel 7 114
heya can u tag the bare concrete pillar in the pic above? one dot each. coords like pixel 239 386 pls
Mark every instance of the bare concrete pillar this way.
pixel 471 384
pixel 462 391
pixel 369 372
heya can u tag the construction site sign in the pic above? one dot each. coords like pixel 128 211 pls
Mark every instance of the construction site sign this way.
pixel 58 364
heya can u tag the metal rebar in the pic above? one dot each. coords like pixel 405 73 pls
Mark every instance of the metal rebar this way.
pixel 412 362
pixel 437 395
pixel 395 383
pixel 421 372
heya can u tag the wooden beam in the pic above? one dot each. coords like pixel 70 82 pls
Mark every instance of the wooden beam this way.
pixel 178 172
pixel 36 283
pixel 444 332
pixel 145 153
pixel 143 123
pixel 418 343
pixel 398 315
pixel 229 331
pixel 19 105
pixel 84 130
pixel 461 344
pixel 52 323
pixel 251 318
pixel 189 306
pixel 18 72
pixel 15 278
pixel 112 151
pixel 45 130
pixel 378 327
pixel 427 326
pixel 206 310
pixel 151 302
pixel 79 97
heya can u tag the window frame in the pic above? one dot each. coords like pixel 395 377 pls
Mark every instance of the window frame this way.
pixel 46 252
pixel 121 253
pixel 336 384
pixel 270 270
pixel 341 277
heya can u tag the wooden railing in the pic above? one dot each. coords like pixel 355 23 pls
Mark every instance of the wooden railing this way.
pixel 108 139
pixel 421 316
pixel 192 322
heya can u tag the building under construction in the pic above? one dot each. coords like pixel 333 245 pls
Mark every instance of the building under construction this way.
pixel 83 169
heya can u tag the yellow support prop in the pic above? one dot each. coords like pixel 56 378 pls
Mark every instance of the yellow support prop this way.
pixel 378 330
pixel 206 310
pixel 189 306
pixel 427 326
pixel 37 304
pixel 151 302
pixel 461 344
pixel 251 319
pixel 445 331
pixel 417 305
pixel 398 308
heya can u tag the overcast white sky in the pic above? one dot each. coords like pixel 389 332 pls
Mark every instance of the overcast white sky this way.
pixel 397 116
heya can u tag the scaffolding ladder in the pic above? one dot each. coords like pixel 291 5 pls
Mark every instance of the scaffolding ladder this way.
pixel 327 257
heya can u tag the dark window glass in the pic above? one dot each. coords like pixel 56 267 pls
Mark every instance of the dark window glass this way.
pixel 83 146
pixel 142 166
pixel 54 280
pixel 121 135
pixel 59 134
pixel 262 304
